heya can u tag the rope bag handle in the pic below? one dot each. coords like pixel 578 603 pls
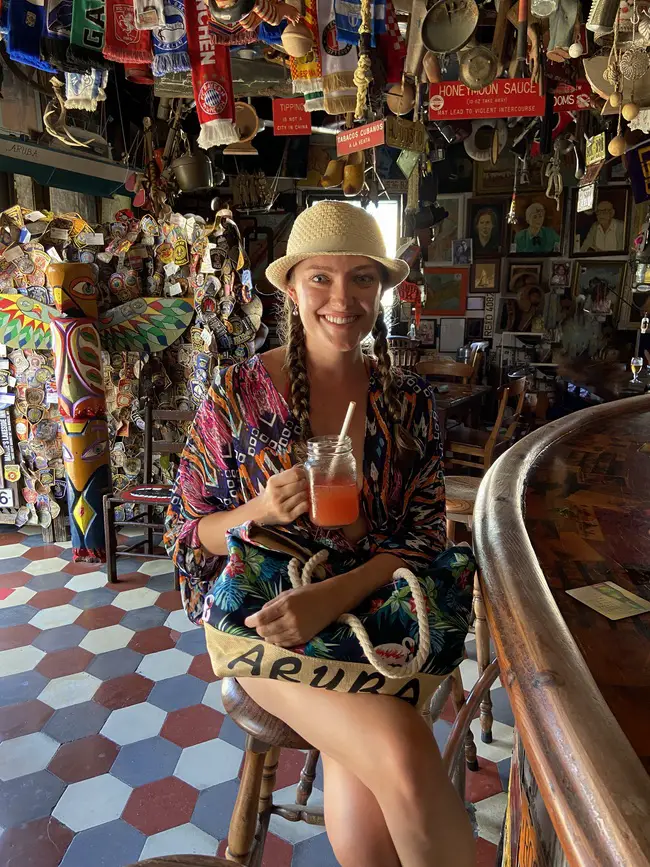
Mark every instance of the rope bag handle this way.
pixel 302 579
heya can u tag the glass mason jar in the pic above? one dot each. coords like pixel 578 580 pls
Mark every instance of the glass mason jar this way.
pixel 332 474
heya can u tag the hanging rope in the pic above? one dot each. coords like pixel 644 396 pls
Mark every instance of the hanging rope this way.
pixel 363 72
pixel 299 579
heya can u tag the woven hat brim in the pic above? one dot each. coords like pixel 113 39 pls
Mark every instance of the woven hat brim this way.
pixel 277 271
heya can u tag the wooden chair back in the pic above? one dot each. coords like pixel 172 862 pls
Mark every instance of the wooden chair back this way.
pixel 405 352
pixel 515 388
pixel 160 447
pixel 446 370
pixel 476 363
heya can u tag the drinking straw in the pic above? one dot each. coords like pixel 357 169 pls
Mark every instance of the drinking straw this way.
pixel 339 445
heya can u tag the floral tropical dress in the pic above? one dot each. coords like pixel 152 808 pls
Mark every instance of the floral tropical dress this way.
pixel 243 433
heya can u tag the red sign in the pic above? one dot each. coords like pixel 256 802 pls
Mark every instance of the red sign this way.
pixel 505 97
pixel 360 138
pixel 290 117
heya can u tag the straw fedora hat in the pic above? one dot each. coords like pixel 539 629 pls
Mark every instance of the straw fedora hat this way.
pixel 335 229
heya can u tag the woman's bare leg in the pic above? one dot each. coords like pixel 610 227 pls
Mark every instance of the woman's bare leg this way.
pixel 355 824
pixel 388 747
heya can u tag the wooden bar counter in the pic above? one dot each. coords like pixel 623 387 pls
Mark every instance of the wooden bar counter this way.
pixel 569 506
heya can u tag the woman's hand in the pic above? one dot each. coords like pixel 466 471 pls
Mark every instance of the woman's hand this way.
pixel 295 616
pixel 285 498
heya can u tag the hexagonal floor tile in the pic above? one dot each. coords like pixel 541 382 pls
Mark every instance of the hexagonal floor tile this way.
pixel 18 636
pixel 152 640
pixel 51 598
pixel 295 832
pixel 23 719
pixel 23 659
pixel 178 692
pixel 130 600
pixel 106 639
pixel 157 567
pixel 144 618
pixel 42 552
pixel 16 615
pixel 316 850
pixel 98 618
pixel 185 839
pixel 82 759
pixel 207 764
pixel 114 843
pixel 40 843
pixel 21 687
pixel 124 691
pixel 26 755
pixel 69 690
pixel 192 725
pixel 160 805
pixel 179 621
pixel 489 816
pixel 29 797
pixel 64 662
pixel 92 802
pixel 146 761
pixel 192 641
pixel 60 638
pixel 87 581
pixel 212 697
pixel 50 618
pixel 115 663
pixel 19 596
pixel 52 581
pixel 92 598
pixel 214 808
pixel 11 580
pixel 170 600
pixel 164 664
pixel 77 721
pixel 136 723
pixel 7 551
pixel 201 667
pixel 43 567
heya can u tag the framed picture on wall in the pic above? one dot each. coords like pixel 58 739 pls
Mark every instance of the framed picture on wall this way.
pixel 560 274
pixel 446 291
pixel 538 227
pixel 452 334
pixel 486 219
pixel 473 329
pixel 606 229
pixel 521 276
pixel 462 251
pixel 485 275
pixel 602 284
pixel 426 331
pixel 500 178
pixel 448 231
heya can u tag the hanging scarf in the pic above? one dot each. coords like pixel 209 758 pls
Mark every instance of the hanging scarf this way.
pixel 392 47
pixel 139 73
pixel 149 14
pixel 87 34
pixel 348 18
pixel 338 63
pixel 56 37
pixel 306 72
pixel 211 79
pixel 26 22
pixel 85 91
pixel 170 42
pixel 123 41
pixel 271 34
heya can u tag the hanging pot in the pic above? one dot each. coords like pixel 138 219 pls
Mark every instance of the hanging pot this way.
pixel 193 172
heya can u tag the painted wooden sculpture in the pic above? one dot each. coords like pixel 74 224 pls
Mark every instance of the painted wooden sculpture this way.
pixel 76 333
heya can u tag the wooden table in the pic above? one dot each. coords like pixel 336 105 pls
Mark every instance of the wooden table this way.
pixel 566 507
pixel 458 396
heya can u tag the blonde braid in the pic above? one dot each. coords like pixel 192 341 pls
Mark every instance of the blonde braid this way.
pixel 407 446
pixel 295 366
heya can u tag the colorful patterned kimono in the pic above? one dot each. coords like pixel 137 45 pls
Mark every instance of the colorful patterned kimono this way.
pixel 244 432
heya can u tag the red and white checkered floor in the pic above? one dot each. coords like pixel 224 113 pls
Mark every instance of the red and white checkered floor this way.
pixel 114 746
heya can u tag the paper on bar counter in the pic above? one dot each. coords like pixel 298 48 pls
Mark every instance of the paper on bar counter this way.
pixel 611 600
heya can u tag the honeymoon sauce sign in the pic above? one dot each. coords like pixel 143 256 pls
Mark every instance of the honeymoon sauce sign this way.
pixel 505 97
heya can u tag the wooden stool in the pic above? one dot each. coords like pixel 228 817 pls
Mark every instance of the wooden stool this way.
pixel 461 494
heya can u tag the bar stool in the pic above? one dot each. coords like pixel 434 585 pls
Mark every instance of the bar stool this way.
pixel 460 492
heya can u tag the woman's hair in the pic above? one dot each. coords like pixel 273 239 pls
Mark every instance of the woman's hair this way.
pixel 299 389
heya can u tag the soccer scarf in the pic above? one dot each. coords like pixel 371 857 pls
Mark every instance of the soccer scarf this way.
pixel 306 72
pixel 170 41
pixel 123 41
pixel 85 91
pixel 87 34
pixel 26 20
pixel 348 19
pixel 56 37
pixel 338 63
pixel 211 79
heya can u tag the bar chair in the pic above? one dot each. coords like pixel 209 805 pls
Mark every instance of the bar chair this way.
pixel 404 351
pixel 478 449
pixel 451 370
pixel 146 494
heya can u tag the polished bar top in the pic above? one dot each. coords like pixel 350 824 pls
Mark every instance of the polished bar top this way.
pixel 588 518
pixel 566 506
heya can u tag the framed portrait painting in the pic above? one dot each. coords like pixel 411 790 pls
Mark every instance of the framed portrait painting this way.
pixel 606 229
pixel 521 276
pixel 602 285
pixel 485 221
pixel 485 275
pixel 446 291
pixel 538 227
pixel 427 331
